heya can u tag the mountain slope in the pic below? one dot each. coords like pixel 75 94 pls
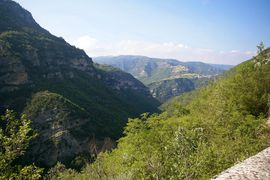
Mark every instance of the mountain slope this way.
pixel 32 60
pixel 166 89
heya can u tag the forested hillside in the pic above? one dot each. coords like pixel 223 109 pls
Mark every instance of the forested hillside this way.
pixel 72 102
pixel 209 131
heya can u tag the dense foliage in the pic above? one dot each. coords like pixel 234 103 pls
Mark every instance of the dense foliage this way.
pixel 222 124
pixel 15 135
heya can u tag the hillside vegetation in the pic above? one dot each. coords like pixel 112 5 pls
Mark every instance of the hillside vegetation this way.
pixel 214 128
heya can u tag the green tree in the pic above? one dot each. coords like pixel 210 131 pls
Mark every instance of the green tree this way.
pixel 15 135
pixel 260 47
pixel 262 57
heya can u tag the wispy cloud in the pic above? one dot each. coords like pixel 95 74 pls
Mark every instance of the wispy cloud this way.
pixel 183 52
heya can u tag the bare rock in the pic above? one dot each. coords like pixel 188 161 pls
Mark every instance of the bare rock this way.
pixel 255 167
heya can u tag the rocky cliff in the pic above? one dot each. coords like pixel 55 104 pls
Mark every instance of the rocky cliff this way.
pixel 75 106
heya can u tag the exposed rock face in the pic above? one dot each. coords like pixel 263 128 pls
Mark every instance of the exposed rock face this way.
pixel 12 72
pixel 256 168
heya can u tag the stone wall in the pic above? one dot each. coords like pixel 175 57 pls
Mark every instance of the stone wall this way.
pixel 255 167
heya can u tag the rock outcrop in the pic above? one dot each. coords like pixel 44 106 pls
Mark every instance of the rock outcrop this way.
pixel 256 167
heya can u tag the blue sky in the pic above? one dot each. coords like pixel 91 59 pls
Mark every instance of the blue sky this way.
pixel 214 31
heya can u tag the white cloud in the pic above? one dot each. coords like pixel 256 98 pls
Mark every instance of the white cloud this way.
pixel 86 42
pixel 161 50
pixel 234 51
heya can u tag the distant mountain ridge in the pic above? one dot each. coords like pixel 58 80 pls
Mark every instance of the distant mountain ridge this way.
pixel 166 78
pixel 149 70
pixel 225 67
